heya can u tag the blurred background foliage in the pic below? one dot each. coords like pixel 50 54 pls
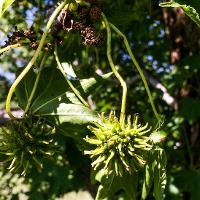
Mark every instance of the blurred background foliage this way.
pixel 167 45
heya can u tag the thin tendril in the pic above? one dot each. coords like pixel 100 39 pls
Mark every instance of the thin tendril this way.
pixel 138 68
pixel 35 84
pixel 76 92
pixel 118 76
pixel 34 58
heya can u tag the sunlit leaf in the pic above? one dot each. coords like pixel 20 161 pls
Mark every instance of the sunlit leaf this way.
pixel 55 101
pixel 4 5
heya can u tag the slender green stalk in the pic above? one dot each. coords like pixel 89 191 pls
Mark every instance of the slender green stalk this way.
pixel 118 76
pixel 76 92
pixel 34 58
pixel 35 84
pixel 12 46
pixel 138 68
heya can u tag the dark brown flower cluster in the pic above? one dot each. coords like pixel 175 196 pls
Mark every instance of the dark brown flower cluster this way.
pixel 89 35
pixel 80 20
pixel 90 13
pixel 27 36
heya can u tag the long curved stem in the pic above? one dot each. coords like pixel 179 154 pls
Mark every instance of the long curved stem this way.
pixel 12 46
pixel 32 61
pixel 35 84
pixel 138 68
pixel 118 76
pixel 76 92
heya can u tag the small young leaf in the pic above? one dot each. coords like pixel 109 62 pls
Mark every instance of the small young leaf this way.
pixel 192 13
pixel 170 4
pixel 190 8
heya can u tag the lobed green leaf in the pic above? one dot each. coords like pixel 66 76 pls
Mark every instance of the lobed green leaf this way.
pixel 55 101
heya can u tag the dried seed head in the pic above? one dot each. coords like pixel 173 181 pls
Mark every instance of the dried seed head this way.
pixel 33 45
pixel 66 20
pixel 21 36
pixel 95 13
pixel 83 12
pixel 89 35
pixel 119 147
pixel 77 26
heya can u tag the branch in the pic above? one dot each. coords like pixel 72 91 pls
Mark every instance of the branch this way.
pixel 166 96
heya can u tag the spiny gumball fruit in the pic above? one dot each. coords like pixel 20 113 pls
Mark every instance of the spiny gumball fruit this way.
pixel 117 146
pixel 26 143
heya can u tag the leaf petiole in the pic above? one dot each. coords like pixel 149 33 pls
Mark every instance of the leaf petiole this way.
pixel 118 76
pixel 76 92
pixel 138 68
pixel 35 84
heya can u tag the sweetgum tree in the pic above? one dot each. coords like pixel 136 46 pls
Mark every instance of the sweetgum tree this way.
pixel 100 92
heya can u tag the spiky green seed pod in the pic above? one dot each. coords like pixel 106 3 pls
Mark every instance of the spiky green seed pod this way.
pixel 119 146
pixel 25 143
